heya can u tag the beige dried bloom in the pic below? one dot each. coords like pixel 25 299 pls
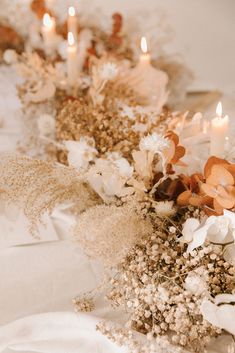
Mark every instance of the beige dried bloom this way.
pixel 165 208
pixel 109 232
pixel 102 71
pixel 133 342
pixel 40 78
pixel 84 304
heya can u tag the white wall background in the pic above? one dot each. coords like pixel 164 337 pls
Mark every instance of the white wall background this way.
pixel 204 35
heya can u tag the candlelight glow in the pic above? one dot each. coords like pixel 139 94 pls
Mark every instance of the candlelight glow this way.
pixel 219 109
pixel 71 11
pixel 47 22
pixel 71 40
pixel 143 45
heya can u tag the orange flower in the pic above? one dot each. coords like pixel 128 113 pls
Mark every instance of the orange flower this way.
pixel 219 184
pixel 174 152
pixel 192 196
pixel 215 191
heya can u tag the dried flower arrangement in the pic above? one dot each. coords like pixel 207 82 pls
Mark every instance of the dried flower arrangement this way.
pixel 168 234
pixel 169 238
pixel 107 87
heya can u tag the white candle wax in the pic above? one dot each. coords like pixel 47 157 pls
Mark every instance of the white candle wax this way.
pixel 145 58
pixel 72 21
pixel 72 61
pixel 219 132
pixel 149 82
pixel 48 32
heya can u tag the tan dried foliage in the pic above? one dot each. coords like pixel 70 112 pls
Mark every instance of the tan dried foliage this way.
pixel 37 186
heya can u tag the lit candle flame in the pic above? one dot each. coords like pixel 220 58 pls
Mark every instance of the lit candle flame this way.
pixel 143 45
pixel 47 22
pixel 71 40
pixel 219 109
pixel 71 11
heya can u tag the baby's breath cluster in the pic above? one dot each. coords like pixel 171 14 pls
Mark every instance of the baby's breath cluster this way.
pixel 162 287
pixel 118 130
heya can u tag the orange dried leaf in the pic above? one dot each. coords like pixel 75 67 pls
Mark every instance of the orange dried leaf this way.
pixel 217 207
pixel 211 162
pixel 173 137
pixel 183 199
pixel 209 190
pixel 231 169
pixel 179 153
pixel 219 176
pixel 196 201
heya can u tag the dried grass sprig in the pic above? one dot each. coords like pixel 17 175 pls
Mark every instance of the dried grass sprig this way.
pixel 108 233
pixel 38 186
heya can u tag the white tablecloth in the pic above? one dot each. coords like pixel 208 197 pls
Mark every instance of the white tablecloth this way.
pixel 38 281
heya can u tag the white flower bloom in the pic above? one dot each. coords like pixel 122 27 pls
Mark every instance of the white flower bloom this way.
pixel 165 208
pixel 196 282
pixel 81 153
pixel 108 178
pixel 220 313
pixel 229 254
pixel 124 167
pixel 46 124
pixel 154 143
pixel 108 71
pixel 220 230
pixel 189 228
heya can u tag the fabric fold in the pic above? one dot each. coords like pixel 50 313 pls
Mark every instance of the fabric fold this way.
pixel 59 332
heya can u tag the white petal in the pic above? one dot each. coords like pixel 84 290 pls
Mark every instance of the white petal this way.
pixel 231 216
pixel 209 312
pixel 189 227
pixel 229 254
pixel 221 316
pixel 224 298
pixel 199 237
pixel 226 317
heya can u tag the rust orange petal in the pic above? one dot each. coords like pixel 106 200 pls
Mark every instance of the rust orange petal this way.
pixel 211 212
pixel 224 192
pixel 172 136
pixel 179 153
pixel 225 203
pixel 196 200
pixel 220 176
pixel 209 190
pixel 231 169
pixel 217 207
pixel 169 152
pixel 231 190
pixel 183 199
pixel 213 161
pixel 207 200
